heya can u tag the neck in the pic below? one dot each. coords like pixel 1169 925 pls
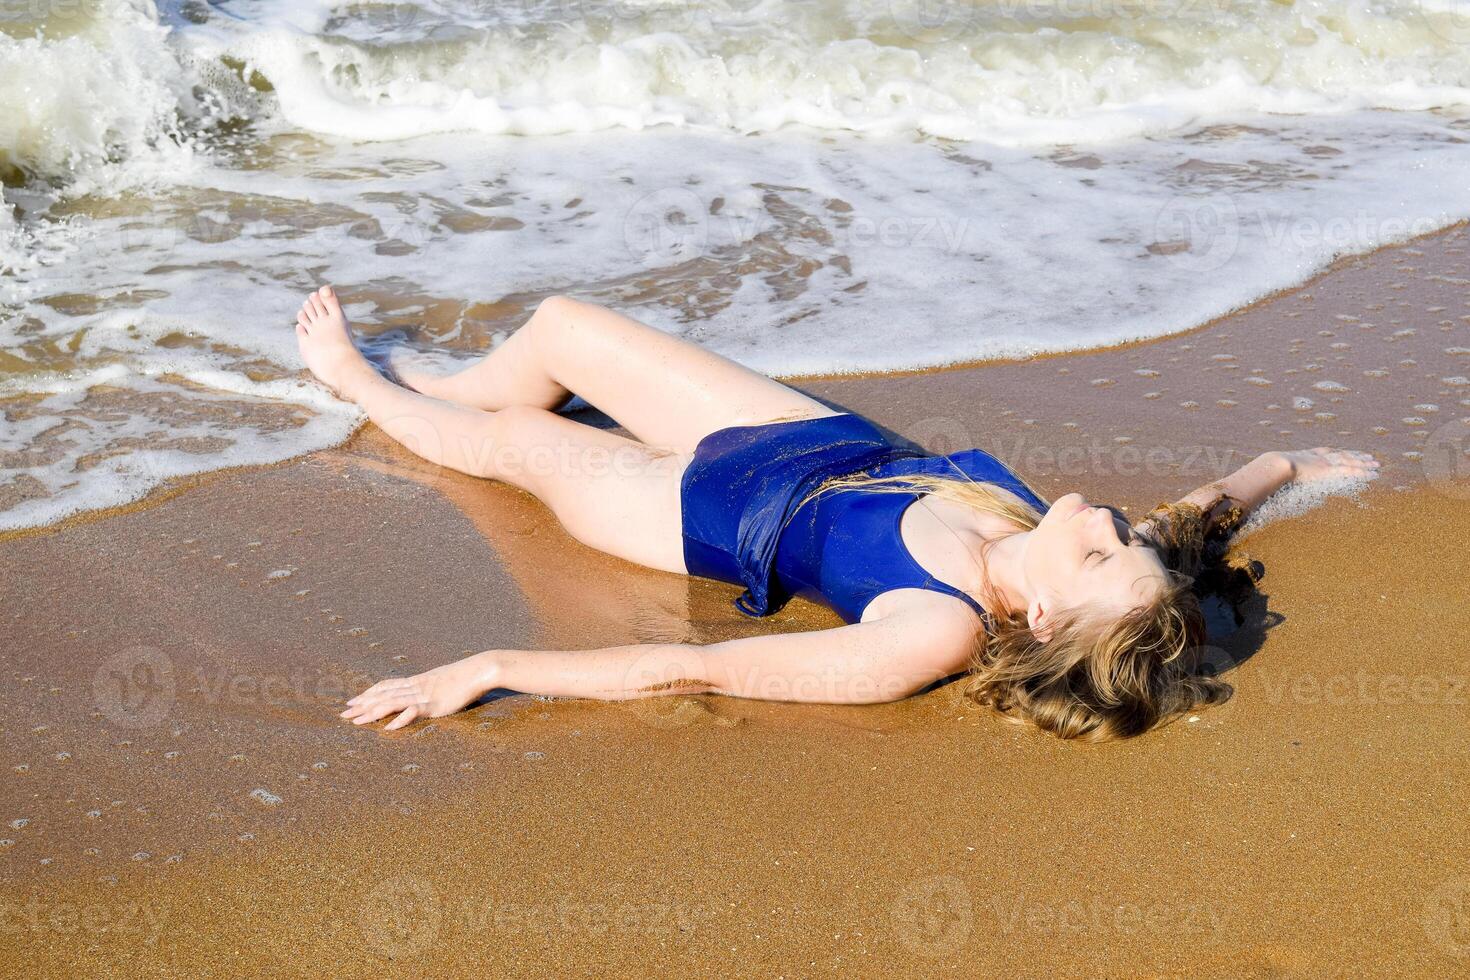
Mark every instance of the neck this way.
pixel 1003 569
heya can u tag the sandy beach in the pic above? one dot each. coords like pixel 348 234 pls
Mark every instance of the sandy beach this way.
pixel 177 795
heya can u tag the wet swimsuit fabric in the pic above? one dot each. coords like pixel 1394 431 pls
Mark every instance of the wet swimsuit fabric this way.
pixel 745 523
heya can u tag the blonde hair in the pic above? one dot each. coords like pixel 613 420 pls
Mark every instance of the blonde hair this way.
pixel 1096 679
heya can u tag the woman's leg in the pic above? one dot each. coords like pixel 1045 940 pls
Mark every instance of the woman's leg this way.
pixel 611 493
pixel 666 391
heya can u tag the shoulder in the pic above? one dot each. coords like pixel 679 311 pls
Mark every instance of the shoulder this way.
pixel 938 627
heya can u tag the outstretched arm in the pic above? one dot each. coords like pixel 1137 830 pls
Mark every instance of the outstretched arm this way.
pixel 1249 486
pixel 881 660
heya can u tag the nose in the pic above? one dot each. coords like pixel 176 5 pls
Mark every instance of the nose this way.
pixel 1069 504
pixel 1100 522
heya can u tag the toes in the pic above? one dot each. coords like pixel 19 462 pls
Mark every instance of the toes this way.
pixel 316 305
pixel 302 321
pixel 329 300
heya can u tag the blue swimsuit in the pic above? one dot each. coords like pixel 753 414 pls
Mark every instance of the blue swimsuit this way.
pixel 744 521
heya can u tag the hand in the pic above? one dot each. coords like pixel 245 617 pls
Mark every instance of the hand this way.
pixel 432 694
pixel 1322 462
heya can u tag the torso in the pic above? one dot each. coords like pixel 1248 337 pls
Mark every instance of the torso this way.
pixel 852 547
pixel 747 518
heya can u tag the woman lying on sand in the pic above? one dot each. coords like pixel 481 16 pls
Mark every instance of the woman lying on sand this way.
pixel 1065 616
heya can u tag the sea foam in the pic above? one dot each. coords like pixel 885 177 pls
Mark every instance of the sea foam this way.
pixel 1296 499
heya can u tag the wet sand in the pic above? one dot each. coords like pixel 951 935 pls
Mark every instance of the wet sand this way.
pixel 176 794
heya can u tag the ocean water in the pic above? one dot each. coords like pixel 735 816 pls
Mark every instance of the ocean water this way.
pixel 817 186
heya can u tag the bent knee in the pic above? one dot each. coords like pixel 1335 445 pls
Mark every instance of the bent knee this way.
pixel 560 309
pixel 550 324
pixel 552 305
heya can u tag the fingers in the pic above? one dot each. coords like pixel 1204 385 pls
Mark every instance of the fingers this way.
pixel 408 715
pixel 384 698
pixel 1350 458
pixel 1353 457
pixel 383 707
pixel 384 687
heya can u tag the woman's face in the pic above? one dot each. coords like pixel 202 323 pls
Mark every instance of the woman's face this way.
pixel 1084 555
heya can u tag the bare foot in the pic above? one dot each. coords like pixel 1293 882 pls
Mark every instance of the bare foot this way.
pixel 325 339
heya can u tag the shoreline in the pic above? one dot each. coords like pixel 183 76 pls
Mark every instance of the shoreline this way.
pixel 1337 266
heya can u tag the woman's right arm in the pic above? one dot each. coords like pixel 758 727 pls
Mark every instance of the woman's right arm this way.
pixel 1249 486
pixel 881 660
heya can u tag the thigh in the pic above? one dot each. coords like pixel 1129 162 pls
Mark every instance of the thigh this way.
pixel 611 493
pixel 666 391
